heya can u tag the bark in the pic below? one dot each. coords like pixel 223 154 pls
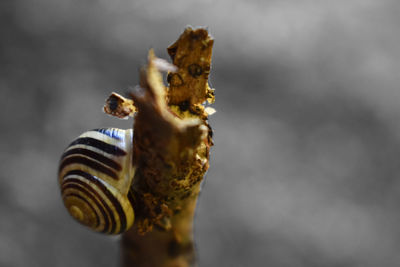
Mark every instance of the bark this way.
pixel 171 144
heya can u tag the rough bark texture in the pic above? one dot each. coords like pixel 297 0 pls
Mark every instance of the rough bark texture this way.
pixel 172 140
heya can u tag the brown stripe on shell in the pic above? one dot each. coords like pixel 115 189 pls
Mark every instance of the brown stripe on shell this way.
pixel 94 155
pixel 108 148
pixel 87 202
pixel 89 163
pixel 131 197
pixel 107 193
pixel 76 184
pixel 108 214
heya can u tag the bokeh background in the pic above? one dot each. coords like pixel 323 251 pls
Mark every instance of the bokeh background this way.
pixel 305 169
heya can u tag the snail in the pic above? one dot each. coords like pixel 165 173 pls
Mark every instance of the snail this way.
pixel 95 174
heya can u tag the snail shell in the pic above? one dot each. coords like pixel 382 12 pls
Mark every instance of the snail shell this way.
pixel 95 175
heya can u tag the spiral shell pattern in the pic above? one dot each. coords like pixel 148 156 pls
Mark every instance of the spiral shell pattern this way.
pixel 95 173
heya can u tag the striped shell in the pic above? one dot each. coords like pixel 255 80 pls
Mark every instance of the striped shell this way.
pixel 95 175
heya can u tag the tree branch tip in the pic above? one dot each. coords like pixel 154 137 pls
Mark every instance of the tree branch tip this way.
pixel 171 146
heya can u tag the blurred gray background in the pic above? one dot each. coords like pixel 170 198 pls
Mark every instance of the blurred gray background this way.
pixel 305 169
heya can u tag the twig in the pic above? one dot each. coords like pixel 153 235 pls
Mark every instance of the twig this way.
pixel 171 145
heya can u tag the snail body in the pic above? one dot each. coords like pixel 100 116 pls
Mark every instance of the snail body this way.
pixel 95 175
